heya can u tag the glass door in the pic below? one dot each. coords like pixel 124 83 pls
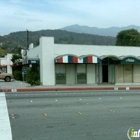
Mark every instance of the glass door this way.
pixel 60 74
pixel 81 74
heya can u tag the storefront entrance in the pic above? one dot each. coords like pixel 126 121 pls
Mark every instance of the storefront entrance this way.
pixel 105 73
pixel 108 70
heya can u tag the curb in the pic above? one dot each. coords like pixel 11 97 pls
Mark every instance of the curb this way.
pixel 69 89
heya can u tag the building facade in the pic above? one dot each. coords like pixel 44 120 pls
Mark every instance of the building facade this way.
pixel 84 64
pixel 6 63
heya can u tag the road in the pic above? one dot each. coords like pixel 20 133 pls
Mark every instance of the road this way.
pixel 90 115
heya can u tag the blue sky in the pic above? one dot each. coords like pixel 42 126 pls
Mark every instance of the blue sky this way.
pixel 19 15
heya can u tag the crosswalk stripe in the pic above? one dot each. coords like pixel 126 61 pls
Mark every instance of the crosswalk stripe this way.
pixel 5 128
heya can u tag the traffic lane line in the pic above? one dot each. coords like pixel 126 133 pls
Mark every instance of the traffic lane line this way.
pixel 5 128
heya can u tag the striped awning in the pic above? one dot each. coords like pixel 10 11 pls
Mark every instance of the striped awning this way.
pixel 74 59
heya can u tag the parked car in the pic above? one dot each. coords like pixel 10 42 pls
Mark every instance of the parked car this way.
pixel 6 76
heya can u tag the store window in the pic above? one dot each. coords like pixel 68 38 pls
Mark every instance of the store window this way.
pixel 81 74
pixel 136 73
pixel 127 73
pixel 60 74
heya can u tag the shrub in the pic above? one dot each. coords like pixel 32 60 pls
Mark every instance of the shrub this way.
pixel 33 77
pixel 17 74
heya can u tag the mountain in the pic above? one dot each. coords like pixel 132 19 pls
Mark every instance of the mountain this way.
pixel 16 40
pixel 112 31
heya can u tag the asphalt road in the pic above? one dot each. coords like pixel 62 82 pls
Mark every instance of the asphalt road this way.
pixel 92 115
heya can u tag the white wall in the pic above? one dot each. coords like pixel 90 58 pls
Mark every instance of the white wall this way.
pixel 47 66
pixel 6 61
pixel 3 61
pixel 98 50
pixel 34 52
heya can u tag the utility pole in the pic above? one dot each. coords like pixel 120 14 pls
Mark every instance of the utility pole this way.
pixel 27 39
pixel 27 47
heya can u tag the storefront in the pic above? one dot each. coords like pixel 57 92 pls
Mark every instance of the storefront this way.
pixel 73 70
pixel 111 70
pixel 128 71
pixel 85 64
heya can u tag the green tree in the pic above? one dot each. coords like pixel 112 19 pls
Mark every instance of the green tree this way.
pixel 129 37
pixel 17 69
pixel 17 56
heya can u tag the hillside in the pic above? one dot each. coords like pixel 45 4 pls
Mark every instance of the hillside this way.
pixel 112 31
pixel 15 40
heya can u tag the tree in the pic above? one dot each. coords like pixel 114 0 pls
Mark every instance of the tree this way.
pixel 129 37
pixel 17 56
pixel 17 69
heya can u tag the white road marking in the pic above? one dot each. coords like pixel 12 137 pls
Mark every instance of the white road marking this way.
pixel 14 90
pixel 5 128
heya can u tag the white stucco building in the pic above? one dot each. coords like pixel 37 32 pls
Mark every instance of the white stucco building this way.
pixel 6 63
pixel 84 64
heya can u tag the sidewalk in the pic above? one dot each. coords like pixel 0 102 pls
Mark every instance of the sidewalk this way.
pixel 19 86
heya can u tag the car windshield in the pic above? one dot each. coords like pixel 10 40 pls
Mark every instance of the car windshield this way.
pixel 1 71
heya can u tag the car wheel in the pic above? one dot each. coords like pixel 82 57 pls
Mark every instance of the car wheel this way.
pixel 7 79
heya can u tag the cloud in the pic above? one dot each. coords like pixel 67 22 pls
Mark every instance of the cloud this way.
pixel 19 15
